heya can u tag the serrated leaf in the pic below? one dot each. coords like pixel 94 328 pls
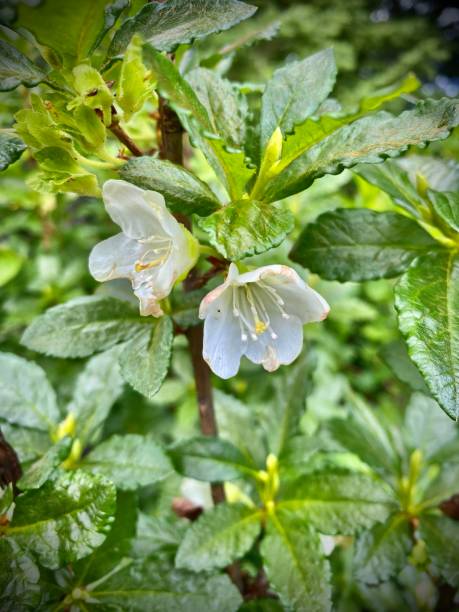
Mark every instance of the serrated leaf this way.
pixel 427 301
pixel 382 552
pixel 218 537
pixel 247 227
pixel 209 459
pixel 40 471
pixel 295 92
pixel 145 359
pixel 337 502
pixel 129 461
pixel 97 388
pixel 183 191
pixel 358 245
pixel 176 22
pixel 441 536
pixel 296 566
pixel 367 140
pixel 63 521
pixel 446 205
pixel 26 397
pixel 11 149
pixel 16 69
pixel 82 327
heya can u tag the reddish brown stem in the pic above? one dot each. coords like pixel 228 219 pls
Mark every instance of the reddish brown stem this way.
pixel 125 139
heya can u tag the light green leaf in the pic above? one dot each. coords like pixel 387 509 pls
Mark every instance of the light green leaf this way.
pixel 11 149
pixel 17 69
pixel 357 245
pixel 209 459
pixel 367 140
pixel 26 397
pixel 337 502
pixel 175 22
pixel 64 520
pixel 247 227
pixel 129 461
pixel 10 265
pixel 133 83
pixel 295 565
pixel 445 484
pixel 156 534
pixel 41 471
pixel 218 537
pixel 183 191
pixel 7 501
pixel 28 443
pixel 427 301
pixel 441 535
pixel 295 92
pixel 446 205
pixel 97 388
pixel 382 552
pixel 82 327
pixel 145 359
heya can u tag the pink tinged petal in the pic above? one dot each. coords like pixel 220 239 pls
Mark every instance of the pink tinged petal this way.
pixel 149 305
pixel 115 258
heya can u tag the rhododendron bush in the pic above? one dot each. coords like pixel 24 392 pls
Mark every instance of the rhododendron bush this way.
pixel 229 372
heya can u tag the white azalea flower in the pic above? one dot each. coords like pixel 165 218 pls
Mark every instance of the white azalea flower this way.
pixel 153 250
pixel 259 314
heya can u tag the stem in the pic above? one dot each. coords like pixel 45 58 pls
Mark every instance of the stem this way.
pixel 118 131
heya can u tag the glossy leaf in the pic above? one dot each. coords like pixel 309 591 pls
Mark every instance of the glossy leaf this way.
pixel 427 301
pixel 295 565
pixel 176 22
pixel 82 327
pixel 26 397
pixel 11 149
pixel 129 461
pixel 40 471
pixel 145 359
pixel 446 205
pixel 183 191
pixel 247 227
pixel 357 245
pixel 441 536
pixel 16 69
pixel 219 537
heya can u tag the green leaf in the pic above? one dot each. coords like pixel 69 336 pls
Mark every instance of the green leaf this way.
pixel 20 588
pixel 439 174
pixel 247 227
pixel 111 13
pixel 218 537
pixel 134 85
pixel 382 552
pixel 337 502
pixel 427 301
pixel 395 354
pixel 358 245
pixel 82 327
pixel 29 444
pixel 11 149
pixel 26 397
pixel 16 69
pixel 64 520
pixel 10 265
pixel 295 92
pixel 446 205
pixel 97 388
pixel 145 359
pixel 444 485
pixel 183 191
pixel 156 534
pixel 295 565
pixel 41 471
pixel 441 536
pixel 209 459
pixel 129 461
pixel 175 22
pixel 367 140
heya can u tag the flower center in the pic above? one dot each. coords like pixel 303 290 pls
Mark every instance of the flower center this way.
pixel 156 255
pixel 250 306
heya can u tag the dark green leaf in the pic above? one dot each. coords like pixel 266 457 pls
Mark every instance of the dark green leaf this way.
pixel 247 227
pixel 156 534
pixel 295 565
pixel 395 354
pixel 11 149
pixel 82 327
pixel 40 471
pixel 441 535
pixel 145 359
pixel 111 13
pixel 168 24
pixel 446 205
pixel 184 192
pixel 129 461
pixel 26 397
pixel 17 69
pixel 295 92
pixel 427 301
pixel 357 245
pixel 219 537
pixel 64 520
pixel 209 459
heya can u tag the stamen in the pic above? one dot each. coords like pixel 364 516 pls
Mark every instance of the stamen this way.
pixel 160 252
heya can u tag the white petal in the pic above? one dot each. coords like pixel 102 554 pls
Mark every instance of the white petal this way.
pixel 148 301
pixel 138 215
pixel 223 345
pixel 303 302
pixel 208 300
pixel 115 257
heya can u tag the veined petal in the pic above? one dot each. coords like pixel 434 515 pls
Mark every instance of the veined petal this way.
pixel 302 301
pixel 115 257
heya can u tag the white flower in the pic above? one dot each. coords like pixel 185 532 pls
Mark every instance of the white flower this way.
pixel 153 250
pixel 259 314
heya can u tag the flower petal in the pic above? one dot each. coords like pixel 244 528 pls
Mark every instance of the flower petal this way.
pixel 303 302
pixel 213 295
pixel 148 301
pixel 115 257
